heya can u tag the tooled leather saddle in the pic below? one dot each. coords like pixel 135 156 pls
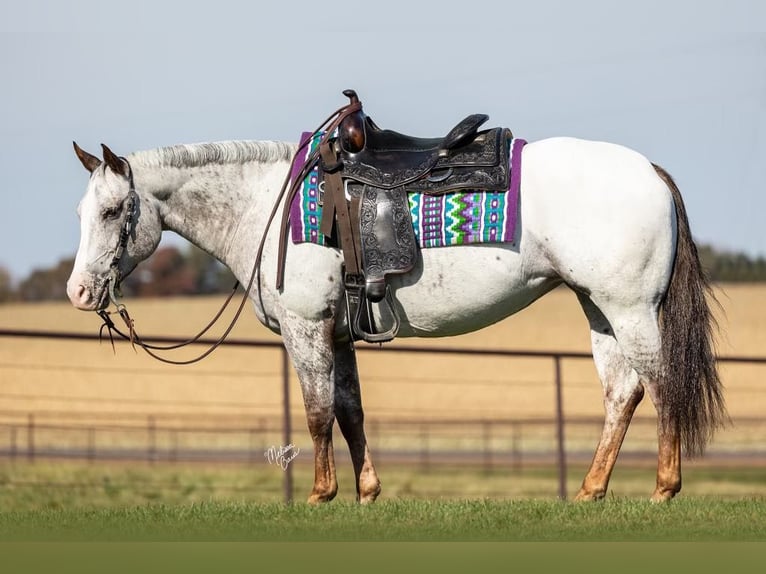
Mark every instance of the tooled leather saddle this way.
pixel 367 174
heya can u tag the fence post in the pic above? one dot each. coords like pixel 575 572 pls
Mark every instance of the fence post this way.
pixel 91 444
pixel 425 447
pixel 562 463
pixel 174 445
pixel 13 443
pixel 251 446
pixel 31 437
pixel 152 431
pixel 487 439
pixel 288 484
pixel 515 446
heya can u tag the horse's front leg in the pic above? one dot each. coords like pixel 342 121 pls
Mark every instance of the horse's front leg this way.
pixel 309 344
pixel 350 415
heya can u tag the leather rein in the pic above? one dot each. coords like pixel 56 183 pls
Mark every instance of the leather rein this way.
pixel 127 229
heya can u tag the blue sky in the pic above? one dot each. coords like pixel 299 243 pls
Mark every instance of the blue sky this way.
pixel 682 82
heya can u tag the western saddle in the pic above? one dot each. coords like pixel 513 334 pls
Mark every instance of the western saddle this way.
pixel 367 174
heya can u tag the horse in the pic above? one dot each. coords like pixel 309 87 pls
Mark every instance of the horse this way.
pixel 597 217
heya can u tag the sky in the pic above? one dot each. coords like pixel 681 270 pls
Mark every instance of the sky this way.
pixel 683 82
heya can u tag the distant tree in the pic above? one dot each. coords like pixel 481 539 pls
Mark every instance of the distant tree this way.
pixel 170 271
pixel 7 292
pixel 46 284
pixel 165 273
pixel 211 275
pixel 731 267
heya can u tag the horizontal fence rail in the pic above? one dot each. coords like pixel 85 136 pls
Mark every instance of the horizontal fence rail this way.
pixel 235 342
pixel 486 442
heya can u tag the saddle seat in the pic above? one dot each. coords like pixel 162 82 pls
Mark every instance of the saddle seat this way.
pixel 465 158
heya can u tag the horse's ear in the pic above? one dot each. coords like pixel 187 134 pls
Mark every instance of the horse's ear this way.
pixel 115 163
pixel 91 162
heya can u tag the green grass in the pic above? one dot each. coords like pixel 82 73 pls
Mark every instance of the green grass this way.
pixel 81 501
pixel 65 485
pixel 402 520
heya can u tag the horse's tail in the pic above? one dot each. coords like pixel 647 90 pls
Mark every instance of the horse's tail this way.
pixel 689 385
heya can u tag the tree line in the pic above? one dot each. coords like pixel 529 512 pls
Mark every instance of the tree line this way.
pixel 191 271
pixel 169 271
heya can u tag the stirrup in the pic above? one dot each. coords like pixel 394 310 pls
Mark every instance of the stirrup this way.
pixel 359 312
pixel 366 307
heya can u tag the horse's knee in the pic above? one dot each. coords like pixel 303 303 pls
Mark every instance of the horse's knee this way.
pixel 320 421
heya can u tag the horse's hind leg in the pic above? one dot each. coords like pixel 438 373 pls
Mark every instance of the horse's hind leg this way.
pixel 669 450
pixel 622 394
pixel 637 335
pixel 350 416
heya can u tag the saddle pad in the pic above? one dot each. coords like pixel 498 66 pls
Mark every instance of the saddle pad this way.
pixel 457 218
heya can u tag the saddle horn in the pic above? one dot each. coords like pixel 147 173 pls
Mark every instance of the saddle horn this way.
pixel 351 132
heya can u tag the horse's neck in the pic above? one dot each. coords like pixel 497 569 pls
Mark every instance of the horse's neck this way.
pixel 215 206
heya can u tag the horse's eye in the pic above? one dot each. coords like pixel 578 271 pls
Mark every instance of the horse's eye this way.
pixel 111 212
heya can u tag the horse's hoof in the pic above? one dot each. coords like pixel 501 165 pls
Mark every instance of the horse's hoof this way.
pixel 663 495
pixel 589 496
pixel 370 496
pixel 320 497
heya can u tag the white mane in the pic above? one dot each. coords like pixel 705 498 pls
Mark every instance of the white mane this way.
pixel 231 152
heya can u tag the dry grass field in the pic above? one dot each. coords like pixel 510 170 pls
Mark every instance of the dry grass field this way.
pixel 87 377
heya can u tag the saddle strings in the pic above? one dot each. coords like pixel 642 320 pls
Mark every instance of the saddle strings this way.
pixel 328 125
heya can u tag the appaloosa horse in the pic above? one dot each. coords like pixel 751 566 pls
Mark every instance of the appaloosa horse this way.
pixel 596 216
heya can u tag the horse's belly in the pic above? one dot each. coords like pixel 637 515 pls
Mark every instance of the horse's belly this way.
pixel 457 290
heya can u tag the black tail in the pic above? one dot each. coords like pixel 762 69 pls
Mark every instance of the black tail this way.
pixel 689 384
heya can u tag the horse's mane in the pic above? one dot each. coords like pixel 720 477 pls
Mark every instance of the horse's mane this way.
pixel 231 152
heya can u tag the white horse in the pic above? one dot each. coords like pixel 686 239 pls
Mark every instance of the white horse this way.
pixel 595 216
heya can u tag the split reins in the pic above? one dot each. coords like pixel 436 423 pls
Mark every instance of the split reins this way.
pixel 286 193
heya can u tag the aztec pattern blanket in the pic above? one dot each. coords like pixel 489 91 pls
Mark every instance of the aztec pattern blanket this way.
pixel 458 218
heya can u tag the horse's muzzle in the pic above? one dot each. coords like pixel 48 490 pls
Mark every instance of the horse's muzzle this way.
pixel 86 293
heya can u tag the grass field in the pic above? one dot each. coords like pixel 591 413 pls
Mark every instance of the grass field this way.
pixel 403 520
pixel 118 503
pixel 63 485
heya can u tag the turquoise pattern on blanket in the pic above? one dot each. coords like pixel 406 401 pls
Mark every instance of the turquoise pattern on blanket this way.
pixel 459 218
pixel 311 206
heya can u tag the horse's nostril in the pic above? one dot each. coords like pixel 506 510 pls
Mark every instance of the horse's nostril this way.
pixel 82 293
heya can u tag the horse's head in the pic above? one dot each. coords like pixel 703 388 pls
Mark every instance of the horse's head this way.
pixel 118 229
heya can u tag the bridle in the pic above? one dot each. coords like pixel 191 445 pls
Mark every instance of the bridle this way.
pixel 127 230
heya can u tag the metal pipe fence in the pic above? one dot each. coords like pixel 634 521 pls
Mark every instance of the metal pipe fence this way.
pixel 489 443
